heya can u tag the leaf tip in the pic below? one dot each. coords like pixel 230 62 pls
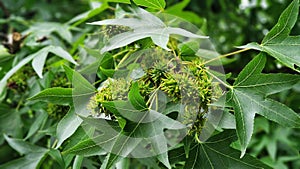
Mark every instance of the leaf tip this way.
pixel 243 152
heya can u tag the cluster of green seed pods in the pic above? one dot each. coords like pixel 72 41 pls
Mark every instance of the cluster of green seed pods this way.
pixel 187 84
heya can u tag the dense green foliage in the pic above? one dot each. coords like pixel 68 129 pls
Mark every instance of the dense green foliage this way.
pixel 138 84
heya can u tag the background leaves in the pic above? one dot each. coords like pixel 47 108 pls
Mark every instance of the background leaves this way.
pixel 278 43
pixel 263 106
pixel 247 97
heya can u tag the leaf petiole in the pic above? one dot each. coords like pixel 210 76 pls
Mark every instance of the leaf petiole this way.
pixel 226 55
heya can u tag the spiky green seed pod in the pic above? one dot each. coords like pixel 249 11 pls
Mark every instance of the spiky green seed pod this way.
pixel 114 90
pixel 187 84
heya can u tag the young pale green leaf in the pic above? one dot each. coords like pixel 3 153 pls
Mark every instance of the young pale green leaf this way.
pixel 56 95
pixel 67 126
pixel 217 153
pixel 278 43
pixel 42 29
pixel 39 59
pixel 144 25
pixel 59 51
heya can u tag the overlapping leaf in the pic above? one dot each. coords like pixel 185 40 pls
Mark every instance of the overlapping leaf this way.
pixel 217 153
pixel 143 25
pixel 248 97
pixel 38 62
pixel 44 29
pixel 278 43
pixel 144 127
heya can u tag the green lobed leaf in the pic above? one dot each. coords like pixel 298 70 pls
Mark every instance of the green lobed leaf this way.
pixel 123 164
pixel 217 153
pixel 285 24
pixel 119 1
pixel 248 97
pixel 254 67
pixel 56 95
pixel 278 43
pixel 144 25
pixel 249 100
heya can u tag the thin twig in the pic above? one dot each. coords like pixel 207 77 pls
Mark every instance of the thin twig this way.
pixel 226 55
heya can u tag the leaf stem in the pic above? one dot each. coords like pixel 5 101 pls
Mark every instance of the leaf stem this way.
pixel 124 58
pixel 221 81
pixel 226 55
pixel 54 144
